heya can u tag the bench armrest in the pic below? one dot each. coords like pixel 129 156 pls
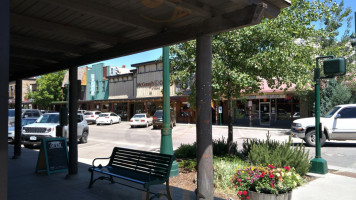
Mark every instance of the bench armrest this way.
pixel 99 159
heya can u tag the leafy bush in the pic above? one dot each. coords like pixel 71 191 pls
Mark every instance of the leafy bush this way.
pixel 188 164
pixel 186 151
pixel 269 151
pixel 220 148
pixel 224 168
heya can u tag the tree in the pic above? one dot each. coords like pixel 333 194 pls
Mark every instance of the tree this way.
pixel 334 94
pixel 48 89
pixel 281 51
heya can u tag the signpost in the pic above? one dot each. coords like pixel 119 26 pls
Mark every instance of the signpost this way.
pixel 53 156
pixel 220 111
pixel 332 67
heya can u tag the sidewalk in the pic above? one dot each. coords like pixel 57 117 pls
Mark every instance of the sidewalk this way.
pixel 24 184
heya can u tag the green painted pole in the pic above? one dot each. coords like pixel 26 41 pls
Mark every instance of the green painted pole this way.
pixel 220 119
pixel 317 111
pixel 318 164
pixel 166 131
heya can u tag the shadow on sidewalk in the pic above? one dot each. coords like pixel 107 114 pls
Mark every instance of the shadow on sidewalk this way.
pixel 24 183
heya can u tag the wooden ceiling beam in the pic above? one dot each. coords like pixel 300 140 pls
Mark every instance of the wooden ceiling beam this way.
pixel 237 19
pixel 271 11
pixel 247 16
pixel 195 7
pixel 34 54
pixel 30 42
pixel 60 29
pixel 106 12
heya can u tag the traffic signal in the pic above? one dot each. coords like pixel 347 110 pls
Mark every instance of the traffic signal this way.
pixel 334 67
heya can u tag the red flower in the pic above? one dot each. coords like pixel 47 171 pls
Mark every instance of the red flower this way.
pixel 239 193
pixel 241 184
pixel 262 174
pixel 272 184
pixel 287 168
pixel 242 198
pixel 248 197
pixel 244 192
pixel 239 180
pixel 271 176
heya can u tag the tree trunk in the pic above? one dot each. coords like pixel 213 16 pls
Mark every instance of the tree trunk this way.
pixel 230 138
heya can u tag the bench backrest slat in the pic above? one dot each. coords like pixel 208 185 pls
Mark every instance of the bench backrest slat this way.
pixel 141 161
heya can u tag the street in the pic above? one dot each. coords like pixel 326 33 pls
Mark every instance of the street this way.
pixel 102 139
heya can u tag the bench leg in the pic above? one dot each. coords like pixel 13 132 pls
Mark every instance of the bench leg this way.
pixel 168 191
pixel 91 180
pixel 112 180
pixel 148 194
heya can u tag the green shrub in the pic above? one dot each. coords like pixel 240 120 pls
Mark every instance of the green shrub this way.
pixel 220 148
pixel 224 169
pixel 188 164
pixel 186 151
pixel 282 154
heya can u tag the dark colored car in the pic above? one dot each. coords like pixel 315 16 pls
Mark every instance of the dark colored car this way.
pixel 158 119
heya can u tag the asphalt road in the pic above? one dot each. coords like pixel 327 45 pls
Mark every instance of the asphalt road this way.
pixel 102 139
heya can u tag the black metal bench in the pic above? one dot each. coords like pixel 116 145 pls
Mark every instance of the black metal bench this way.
pixel 141 167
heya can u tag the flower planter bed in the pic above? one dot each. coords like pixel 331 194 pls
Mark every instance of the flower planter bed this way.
pixel 262 196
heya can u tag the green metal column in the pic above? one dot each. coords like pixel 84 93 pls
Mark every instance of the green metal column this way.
pixel 166 132
pixel 318 164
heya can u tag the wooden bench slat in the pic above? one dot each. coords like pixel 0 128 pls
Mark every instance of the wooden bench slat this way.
pixel 141 167
pixel 143 156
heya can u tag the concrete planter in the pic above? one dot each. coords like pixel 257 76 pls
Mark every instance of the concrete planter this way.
pixel 263 196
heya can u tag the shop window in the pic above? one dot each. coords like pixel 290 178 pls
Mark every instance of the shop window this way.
pixel 184 109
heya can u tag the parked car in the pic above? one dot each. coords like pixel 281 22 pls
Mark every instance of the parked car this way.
pixel 157 120
pixel 337 124
pixel 91 116
pixel 24 122
pixel 108 118
pixel 45 127
pixel 81 112
pixel 25 113
pixel 141 119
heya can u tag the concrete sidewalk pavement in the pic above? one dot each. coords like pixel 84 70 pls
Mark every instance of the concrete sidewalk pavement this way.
pixel 331 186
pixel 23 183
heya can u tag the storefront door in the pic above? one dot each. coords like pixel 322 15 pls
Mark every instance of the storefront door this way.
pixel 265 113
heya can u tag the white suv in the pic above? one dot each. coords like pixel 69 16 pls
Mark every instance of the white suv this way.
pixel 338 124
pixel 91 116
pixel 45 127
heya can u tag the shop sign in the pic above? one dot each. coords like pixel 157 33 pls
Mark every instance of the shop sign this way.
pixel 272 96
pixel 154 84
pixel 92 84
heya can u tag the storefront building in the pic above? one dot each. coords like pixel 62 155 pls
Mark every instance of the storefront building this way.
pixel 139 90
pixel 267 108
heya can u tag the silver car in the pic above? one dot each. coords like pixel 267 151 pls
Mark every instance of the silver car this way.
pixel 46 127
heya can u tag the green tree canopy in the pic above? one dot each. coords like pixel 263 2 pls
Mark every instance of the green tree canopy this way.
pixel 280 50
pixel 48 89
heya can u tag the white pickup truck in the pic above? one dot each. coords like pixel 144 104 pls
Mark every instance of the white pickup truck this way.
pixel 45 127
pixel 338 124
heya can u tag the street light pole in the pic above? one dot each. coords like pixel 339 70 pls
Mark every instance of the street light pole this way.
pixel 166 131
pixel 318 164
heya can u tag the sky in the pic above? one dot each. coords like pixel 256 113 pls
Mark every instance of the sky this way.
pixel 133 59
pixel 156 53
